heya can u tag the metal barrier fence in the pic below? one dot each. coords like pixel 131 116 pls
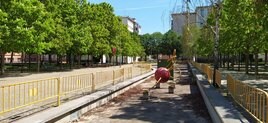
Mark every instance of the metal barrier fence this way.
pixel 205 68
pixel 18 95
pixel 218 77
pixel 254 100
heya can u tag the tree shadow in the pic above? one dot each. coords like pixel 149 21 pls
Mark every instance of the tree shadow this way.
pixel 163 107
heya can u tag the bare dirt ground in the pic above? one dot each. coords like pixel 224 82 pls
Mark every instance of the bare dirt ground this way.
pixel 184 106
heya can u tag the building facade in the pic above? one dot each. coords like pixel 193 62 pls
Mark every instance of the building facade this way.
pixel 202 13
pixel 199 18
pixel 132 26
pixel 131 23
pixel 17 57
pixel 179 20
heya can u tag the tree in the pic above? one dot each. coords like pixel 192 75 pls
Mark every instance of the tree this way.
pixel 244 22
pixel 190 37
pixel 4 33
pixel 170 42
pixel 28 26
pixel 99 31
pixel 147 42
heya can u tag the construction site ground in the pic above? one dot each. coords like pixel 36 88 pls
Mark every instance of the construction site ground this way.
pixel 185 105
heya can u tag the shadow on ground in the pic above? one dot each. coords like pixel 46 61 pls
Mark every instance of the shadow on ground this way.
pixel 166 108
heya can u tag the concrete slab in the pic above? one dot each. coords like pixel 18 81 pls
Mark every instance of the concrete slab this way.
pixel 220 110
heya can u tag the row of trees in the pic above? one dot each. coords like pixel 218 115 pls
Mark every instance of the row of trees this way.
pixel 158 43
pixel 243 31
pixel 63 27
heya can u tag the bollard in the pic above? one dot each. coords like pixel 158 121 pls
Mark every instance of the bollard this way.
pixel 171 87
pixel 145 94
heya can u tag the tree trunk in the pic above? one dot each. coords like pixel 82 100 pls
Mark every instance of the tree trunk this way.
pixel 49 59
pixel 60 58
pixel 79 61
pixel 256 63
pixel 228 61
pixel 224 61
pixel 72 60
pixel 266 59
pixel 110 59
pixel 102 59
pixel 233 62
pixel 239 61
pixel 22 61
pixel 69 58
pixel 247 61
pixel 2 63
pixel 29 61
pixel 38 63
pixel 88 59
pixel 220 65
pixel 116 59
pixel 11 60
pixel 122 60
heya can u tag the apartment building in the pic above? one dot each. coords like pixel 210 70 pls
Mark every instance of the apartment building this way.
pixel 202 13
pixel 133 26
pixel 131 23
pixel 17 57
pixel 179 20
pixel 199 18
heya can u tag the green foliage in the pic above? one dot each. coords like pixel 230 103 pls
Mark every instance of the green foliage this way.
pixel 4 29
pixel 64 26
pixel 157 43
pixel 147 42
pixel 170 42
pixel 243 26
pixel 204 44
pixel 190 38
pixel 151 42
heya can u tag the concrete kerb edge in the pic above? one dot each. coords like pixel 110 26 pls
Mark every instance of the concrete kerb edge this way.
pixel 214 112
pixel 69 112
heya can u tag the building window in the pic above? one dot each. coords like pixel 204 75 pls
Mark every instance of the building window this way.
pixel 203 12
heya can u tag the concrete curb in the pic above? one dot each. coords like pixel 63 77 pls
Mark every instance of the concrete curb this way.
pixel 220 109
pixel 74 109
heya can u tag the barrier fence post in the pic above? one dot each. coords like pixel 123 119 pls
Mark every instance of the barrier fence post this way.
pixel 58 81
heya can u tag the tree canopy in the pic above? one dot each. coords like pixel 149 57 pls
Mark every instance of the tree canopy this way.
pixel 64 27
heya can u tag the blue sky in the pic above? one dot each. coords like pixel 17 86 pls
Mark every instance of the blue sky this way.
pixel 152 15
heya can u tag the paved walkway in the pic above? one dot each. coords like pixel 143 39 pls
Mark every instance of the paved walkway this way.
pixel 259 82
pixel 184 106
pixel 22 77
